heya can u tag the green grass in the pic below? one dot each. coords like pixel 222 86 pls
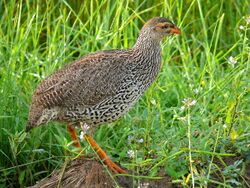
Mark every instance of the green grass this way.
pixel 38 38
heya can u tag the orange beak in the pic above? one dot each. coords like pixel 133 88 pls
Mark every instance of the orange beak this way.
pixel 175 30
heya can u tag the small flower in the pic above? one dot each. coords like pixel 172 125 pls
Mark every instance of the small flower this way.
pixel 241 27
pixel 232 61
pixel 183 119
pixel 85 127
pixel 182 108
pixel 196 91
pixel 225 126
pixel 193 102
pixel 140 140
pixel 188 102
pixel 143 185
pixel 82 136
pixel 131 153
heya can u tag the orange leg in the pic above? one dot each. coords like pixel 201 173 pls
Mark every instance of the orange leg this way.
pixel 73 135
pixel 103 156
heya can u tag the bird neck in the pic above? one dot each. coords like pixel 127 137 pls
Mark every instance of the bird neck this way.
pixel 147 48
pixel 146 44
pixel 147 55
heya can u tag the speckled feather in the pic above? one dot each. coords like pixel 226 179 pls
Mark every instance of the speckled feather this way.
pixel 101 86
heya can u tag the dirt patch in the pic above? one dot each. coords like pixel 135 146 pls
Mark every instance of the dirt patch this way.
pixel 89 173
pixel 223 163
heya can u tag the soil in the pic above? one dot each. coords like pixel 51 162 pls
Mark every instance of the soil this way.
pixel 245 175
pixel 89 173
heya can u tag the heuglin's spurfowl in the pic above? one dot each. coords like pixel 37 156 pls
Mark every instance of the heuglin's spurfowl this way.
pixel 102 86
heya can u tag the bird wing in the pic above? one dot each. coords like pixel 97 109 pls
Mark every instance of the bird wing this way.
pixel 85 82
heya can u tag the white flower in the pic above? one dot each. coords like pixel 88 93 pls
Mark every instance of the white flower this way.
pixel 131 153
pixel 140 140
pixel 232 61
pixel 182 108
pixel 183 119
pixel 193 102
pixel 188 102
pixel 143 185
pixel 82 136
pixel 85 127
pixel 225 126
pixel 241 27
pixel 196 90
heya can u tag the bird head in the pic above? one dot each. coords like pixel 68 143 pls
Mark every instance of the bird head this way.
pixel 160 27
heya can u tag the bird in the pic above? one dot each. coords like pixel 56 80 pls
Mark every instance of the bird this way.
pixel 101 87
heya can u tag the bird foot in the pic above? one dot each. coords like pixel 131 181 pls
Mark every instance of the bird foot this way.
pixel 103 156
pixel 114 167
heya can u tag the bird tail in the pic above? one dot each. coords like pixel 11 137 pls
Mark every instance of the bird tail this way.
pixel 34 116
pixel 28 127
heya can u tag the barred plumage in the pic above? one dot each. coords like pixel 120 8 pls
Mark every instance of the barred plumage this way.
pixel 101 86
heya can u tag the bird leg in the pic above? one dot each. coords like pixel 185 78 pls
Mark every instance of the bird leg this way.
pixel 103 156
pixel 73 135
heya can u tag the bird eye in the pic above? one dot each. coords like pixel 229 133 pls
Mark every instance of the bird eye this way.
pixel 165 26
